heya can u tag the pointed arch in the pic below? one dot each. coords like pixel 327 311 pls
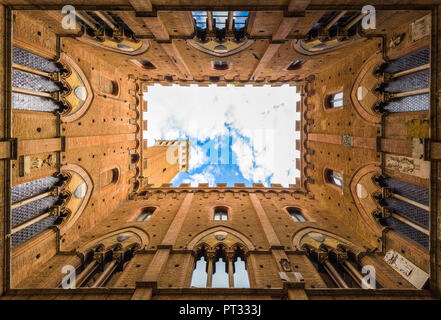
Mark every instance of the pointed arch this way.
pixel 300 235
pixel 363 204
pixel 80 187
pixel 137 233
pixel 197 238
pixel 229 47
pixel 363 94
pixel 79 95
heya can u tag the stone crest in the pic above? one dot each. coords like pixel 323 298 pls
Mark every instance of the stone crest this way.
pixel 347 140
pixel 286 265
pixel 220 236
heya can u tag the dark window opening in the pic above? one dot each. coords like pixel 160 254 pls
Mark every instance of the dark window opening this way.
pixel 296 65
pixel 335 100
pixel 220 214
pixel 220 65
pixel 147 64
pixel 219 271
pixel 296 214
pixel 146 214
pixel 334 177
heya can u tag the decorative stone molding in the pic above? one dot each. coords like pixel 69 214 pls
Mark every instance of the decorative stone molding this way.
pixel 127 46
pixel 347 140
pixel 363 95
pixel 212 237
pixel 316 238
pixel 79 95
pixel 126 236
pixel 78 178
pixel 228 47
pixel 317 47
pixel 361 185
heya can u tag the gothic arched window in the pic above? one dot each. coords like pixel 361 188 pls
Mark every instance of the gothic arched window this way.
pixel 296 214
pixel 220 268
pixel 199 277
pixel 101 265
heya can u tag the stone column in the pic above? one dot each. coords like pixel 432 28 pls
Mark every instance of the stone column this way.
pixel 230 260
pixel 105 274
pixel 334 274
pixel 353 272
pixel 211 255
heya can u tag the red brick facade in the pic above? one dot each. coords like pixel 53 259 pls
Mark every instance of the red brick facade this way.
pixel 110 178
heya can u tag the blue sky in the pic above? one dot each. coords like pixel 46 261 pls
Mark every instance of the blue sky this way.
pixel 237 134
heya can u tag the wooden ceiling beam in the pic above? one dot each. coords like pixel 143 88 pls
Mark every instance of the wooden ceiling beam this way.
pixel 298 5
pixel 278 37
pixel 284 28
pixel 157 27
pixel 141 5
pixel 271 50
pixel 175 56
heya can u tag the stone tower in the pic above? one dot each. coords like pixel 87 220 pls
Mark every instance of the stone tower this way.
pixel 164 160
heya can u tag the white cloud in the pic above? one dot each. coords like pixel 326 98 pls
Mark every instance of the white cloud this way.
pixel 197 156
pixel 205 177
pixel 265 115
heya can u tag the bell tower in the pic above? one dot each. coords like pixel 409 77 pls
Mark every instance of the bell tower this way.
pixel 165 159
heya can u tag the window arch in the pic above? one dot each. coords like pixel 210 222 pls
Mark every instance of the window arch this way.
pixel 220 267
pixel 199 276
pixel 220 213
pixel 296 214
pixel 334 258
pixel 146 214
pixel 334 100
pixel 104 260
pixel 334 178
pixel 109 177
